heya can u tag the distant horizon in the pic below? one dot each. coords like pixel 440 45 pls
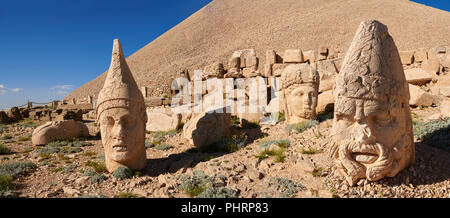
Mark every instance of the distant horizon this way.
pixel 50 48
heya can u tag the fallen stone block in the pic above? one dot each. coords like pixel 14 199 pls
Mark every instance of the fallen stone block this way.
pixel 59 130
pixel 419 97
pixel 406 57
pixel 293 56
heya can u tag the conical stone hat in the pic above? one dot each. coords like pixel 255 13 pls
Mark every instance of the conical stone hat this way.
pixel 120 89
pixel 372 68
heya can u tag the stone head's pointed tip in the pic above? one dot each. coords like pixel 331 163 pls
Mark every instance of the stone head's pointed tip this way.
pixel 117 47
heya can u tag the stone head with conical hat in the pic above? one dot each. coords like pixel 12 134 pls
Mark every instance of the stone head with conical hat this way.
pixel 372 128
pixel 121 113
pixel 300 83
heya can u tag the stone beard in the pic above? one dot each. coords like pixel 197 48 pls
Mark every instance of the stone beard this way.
pixel 121 131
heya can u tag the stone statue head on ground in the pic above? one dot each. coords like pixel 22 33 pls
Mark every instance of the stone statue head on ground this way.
pixel 121 114
pixel 300 83
pixel 372 128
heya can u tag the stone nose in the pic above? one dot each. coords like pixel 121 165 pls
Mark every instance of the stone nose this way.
pixel 364 133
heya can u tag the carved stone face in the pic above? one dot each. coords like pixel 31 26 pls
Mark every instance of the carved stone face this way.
pixel 372 139
pixel 121 133
pixel 301 102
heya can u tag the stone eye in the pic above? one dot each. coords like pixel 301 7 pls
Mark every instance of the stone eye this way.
pixel 383 120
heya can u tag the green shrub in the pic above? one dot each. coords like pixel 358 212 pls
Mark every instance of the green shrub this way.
pixel 435 133
pixel 16 169
pixel 70 150
pixel 318 172
pixel 311 151
pixel 127 195
pixel 218 193
pixel 278 153
pixel 163 147
pixel 98 178
pixel 89 154
pixel 249 125
pixel 6 137
pixel 4 149
pixel 98 167
pixel 6 182
pixel 23 139
pixel 89 172
pixel 286 187
pixel 302 126
pixel 123 173
pixel 325 115
pixel 48 150
pixel 149 144
pixel 229 145
pixel 196 184
pixel 235 121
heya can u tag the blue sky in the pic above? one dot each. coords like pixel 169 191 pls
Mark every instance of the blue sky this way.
pixel 51 47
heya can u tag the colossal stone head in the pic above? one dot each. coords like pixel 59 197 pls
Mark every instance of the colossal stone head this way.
pixel 300 84
pixel 122 116
pixel 372 128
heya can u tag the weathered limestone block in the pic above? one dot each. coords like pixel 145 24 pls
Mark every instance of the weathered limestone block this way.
pixel 153 101
pixel 300 90
pixel 372 126
pixel 25 112
pixel 271 57
pixel 121 114
pixel 417 76
pixel 322 53
pixel 431 66
pixel 446 61
pixel 14 114
pixel 327 72
pixel 244 55
pixel 420 56
pixel 406 57
pixel 419 97
pixel 214 70
pixel 277 69
pixel 207 128
pixel 310 56
pixel 325 101
pixel 4 119
pixel 249 73
pixel 162 120
pixel 268 70
pixel 59 130
pixel 252 62
pixel 70 115
pixel 293 56
pixel 445 108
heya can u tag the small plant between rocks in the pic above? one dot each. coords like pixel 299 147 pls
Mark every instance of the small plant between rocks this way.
pixel 123 173
pixel 274 148
pixel 301 127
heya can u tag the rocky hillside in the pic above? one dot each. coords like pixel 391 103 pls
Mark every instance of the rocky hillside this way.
pixel 223 26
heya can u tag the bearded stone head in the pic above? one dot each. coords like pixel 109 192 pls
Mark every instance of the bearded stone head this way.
pixel 372 128
pixel 122 116
pixel 300 90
